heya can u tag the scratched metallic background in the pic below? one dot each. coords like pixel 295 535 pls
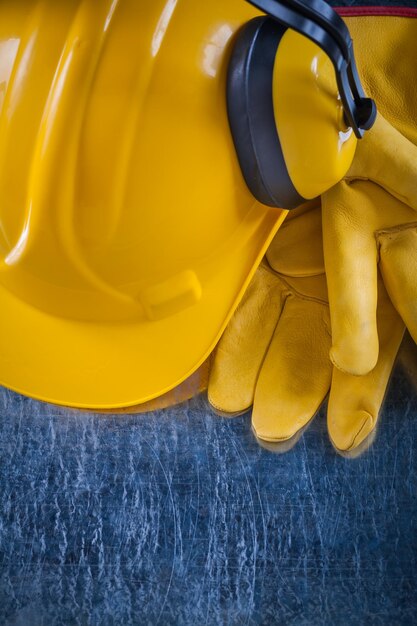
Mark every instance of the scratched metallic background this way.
pixel 179 517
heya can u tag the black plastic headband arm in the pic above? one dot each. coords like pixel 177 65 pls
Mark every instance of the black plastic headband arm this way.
pixel 321 13
pixel 321 24
pixel 317 11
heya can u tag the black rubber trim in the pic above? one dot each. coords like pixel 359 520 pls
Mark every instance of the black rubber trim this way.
pixel 251 114
pixel 315 12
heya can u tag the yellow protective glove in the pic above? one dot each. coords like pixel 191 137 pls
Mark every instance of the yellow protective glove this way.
pixel 362 221
pixel 274 353
pixel 363 224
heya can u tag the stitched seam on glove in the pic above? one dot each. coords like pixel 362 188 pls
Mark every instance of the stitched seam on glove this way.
pixel 352 179
pixel 342 369
pixel 293 292
pixel 290 289
pixel 395 229
pixel 352 445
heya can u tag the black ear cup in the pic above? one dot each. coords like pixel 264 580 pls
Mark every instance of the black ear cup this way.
pixel 251 113
pixel 250 98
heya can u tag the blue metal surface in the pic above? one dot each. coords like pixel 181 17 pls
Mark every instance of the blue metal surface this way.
pixel 179 517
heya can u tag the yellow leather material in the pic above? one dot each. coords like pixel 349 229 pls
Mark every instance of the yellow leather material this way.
pixel 355 401
pixel 386 53
pixel 359 218
pixel 389 159
pixel 274 354
pixel 362 224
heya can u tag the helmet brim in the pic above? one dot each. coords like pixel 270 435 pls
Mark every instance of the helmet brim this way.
pixel 110 365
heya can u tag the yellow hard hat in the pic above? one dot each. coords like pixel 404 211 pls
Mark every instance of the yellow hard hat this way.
pixel 127 231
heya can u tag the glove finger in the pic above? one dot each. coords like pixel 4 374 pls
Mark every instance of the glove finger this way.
pixel 296 372
pixel 297 248
pixel 241 350
pixel 398 265
pixel 351 268
pixel 389 159
pixel 355 401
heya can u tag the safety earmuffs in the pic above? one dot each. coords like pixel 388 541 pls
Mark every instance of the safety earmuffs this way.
pixel 296 105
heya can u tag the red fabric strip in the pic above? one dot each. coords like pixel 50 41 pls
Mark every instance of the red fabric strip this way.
pixel 361 11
